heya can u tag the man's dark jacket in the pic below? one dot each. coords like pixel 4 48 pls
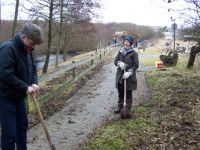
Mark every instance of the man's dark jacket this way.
pixel 17 70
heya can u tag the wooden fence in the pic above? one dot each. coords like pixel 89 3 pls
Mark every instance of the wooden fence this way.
pixel 94 59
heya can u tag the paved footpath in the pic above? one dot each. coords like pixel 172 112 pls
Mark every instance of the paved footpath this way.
pixel 87 110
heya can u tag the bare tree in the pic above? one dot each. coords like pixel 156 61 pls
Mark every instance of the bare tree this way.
pixel 66 38
pixel 15 18
pixel 43 9
pixel 76 13
pixel 50 21
pixel 189 13
pixel 191 16
pixel 67 13
pixel 60 33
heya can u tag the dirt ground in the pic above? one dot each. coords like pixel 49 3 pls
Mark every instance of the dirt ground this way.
pixel 90 108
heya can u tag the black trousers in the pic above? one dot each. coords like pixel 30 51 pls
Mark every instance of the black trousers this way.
pixel 129 99
pixel 14 124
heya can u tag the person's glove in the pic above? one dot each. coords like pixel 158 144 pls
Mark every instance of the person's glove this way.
pixel 127 75
pixel 30 90
pixel 121 65
pixel 35 87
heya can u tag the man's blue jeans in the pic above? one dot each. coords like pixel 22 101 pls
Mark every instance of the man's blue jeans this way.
pixel 14 124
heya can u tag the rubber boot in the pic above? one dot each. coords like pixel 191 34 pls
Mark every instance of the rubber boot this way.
pixel 118 108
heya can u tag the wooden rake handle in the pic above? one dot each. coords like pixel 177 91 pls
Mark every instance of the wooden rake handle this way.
pixel 42 121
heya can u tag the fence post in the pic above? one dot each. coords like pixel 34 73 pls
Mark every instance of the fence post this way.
pixel 73 70
pixel 104 52
pixel 100 55
pixel 96 50
pixel 92 60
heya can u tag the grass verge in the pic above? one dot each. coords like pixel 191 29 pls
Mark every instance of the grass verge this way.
pixel 170 120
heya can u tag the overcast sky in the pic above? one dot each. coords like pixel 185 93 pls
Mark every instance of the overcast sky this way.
pixel 141 12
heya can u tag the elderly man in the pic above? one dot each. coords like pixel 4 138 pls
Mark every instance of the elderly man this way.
pixel 18 77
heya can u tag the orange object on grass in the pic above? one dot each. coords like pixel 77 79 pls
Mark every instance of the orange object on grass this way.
pixel 158 64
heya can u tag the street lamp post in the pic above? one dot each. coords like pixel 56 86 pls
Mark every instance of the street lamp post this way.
pixel 174 27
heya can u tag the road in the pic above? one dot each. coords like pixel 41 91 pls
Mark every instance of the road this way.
pixel 86 111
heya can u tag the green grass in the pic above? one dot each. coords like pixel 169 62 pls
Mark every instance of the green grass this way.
pixel 173 92
pixel 114 135
pixel 148 62
pixel 151 50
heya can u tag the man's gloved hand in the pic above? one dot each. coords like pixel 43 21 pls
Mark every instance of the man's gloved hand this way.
pixel 30 90
pixel 127 75
pixel 35 87
pixel 121 65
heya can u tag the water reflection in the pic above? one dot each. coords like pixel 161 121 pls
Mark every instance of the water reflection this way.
pixel 39 61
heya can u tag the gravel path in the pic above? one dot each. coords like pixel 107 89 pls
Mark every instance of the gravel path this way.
pixel 87 110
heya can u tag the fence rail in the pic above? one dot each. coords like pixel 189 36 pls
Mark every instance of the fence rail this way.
pixel 67 67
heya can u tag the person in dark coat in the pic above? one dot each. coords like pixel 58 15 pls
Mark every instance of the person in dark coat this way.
pixel 126 60
pixel 18 77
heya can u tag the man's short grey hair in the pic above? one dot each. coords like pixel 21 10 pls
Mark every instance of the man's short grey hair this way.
pixel 33 32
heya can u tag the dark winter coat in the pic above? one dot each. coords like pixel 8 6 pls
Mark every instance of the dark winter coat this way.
pixel 17 70
pixel 130 58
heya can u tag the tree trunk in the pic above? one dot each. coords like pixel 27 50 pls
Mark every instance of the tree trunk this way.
pixel 194 51
pixel 66 41
pixel 15 18
pixel 60 33
pixel 65 47
pixel 49 37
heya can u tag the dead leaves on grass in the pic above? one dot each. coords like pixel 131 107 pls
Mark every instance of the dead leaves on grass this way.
pixel 177 115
